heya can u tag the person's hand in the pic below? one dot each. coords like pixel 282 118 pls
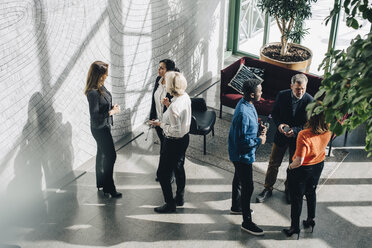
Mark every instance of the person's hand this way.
pixel 263 129
pixel 263 139
pixel 289 134
pixel 155 123
pixel 115 110
pixel 165 101
pixel 281 128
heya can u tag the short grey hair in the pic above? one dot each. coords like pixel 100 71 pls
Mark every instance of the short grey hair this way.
pixel 299 78
pixel 175 83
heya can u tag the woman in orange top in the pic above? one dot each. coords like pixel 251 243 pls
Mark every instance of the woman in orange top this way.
pixel 304 172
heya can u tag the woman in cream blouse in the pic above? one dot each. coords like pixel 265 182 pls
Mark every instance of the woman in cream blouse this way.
pixel 176 126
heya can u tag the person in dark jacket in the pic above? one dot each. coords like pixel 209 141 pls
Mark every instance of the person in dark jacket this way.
pixel 101 119
pixel 161 98
pixel 289 116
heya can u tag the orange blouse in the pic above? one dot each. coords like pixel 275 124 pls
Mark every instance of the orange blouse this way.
pixel 311 146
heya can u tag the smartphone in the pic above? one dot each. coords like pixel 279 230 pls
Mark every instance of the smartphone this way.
pixel 286 129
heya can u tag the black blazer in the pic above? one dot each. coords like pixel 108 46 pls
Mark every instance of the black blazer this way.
pixel 99 107
pixel 282 113
pixel 153 114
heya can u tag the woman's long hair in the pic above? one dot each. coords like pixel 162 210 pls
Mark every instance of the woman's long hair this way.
pixel 94 80
pixel 317 124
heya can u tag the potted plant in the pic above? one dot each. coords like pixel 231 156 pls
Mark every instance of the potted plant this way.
pixel 289 16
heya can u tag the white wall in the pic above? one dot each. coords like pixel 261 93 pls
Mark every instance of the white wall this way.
pixel 46 48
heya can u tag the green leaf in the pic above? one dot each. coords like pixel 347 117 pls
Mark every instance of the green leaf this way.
pixel 338 129
pixel 319 93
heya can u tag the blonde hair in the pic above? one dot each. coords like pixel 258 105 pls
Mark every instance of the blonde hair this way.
pixel 175 82
pixel 94 80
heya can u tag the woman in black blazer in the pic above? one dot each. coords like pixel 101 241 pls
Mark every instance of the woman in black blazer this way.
pixel 161 96
pixel 101 112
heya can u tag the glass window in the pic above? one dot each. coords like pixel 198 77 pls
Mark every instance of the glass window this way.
pixel 345 34
pixel 251 27
pixel 251 31
pixel 317 38
pixel 226 25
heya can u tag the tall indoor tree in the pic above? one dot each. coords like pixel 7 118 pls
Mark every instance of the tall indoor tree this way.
pixel 289 16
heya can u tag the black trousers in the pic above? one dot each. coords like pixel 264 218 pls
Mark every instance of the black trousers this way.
pixel 303 181
pixel 242 189
pixel 159 132
pixel 172 158
pixel 105 159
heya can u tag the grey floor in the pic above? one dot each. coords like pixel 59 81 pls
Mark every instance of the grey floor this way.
pixel 77 215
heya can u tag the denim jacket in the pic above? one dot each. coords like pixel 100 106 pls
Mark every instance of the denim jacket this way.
pixel 243 140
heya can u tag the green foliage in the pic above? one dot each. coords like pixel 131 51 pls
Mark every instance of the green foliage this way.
pixel 289 15
pixel 352 8
pixel 346 91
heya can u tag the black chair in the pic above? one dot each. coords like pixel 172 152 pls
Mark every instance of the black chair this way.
pixel 202 120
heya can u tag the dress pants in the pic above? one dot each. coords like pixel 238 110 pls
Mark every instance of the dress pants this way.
pixel 303 181
pixel 172 158
pixel 105 159
pixel 242 189
pixel 276 158
pixel 159 132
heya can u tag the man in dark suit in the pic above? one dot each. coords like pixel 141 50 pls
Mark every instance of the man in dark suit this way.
pixel 289 116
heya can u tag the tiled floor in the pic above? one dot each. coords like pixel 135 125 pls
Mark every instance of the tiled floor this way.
pixel 79 216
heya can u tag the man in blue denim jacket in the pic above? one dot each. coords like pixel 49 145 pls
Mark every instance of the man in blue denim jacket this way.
pixel 243 142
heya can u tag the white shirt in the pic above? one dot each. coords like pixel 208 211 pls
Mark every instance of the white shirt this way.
pixel 177 119
pixel 159 94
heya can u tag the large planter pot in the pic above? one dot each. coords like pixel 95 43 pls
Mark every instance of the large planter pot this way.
pixel 303 66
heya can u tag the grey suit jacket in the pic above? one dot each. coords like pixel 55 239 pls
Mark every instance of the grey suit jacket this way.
pixel 99 107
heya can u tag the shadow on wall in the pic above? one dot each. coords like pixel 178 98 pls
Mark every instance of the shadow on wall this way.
pixel 117 21
pixel 190 31
pixel 44 154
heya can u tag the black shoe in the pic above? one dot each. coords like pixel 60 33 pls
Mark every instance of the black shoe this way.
pixel 252 228
pixel 291 231
pixel 266 193
pixel 287 196
pixel 179 200
pixel 99 188
pixel 114 194
pixel 166 208
pixel 309 223
pixel 238 211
